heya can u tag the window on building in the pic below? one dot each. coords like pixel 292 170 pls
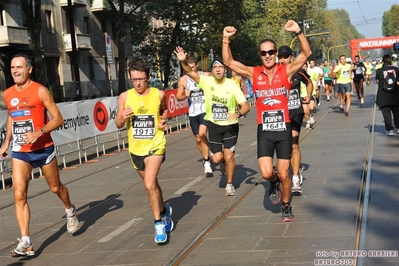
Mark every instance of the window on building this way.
pixel 114 33
pixel 86 25
pixel 49 21
pixel 1 16
pixel 116 67
pixel 103 27
pixel 67 28
pixel 91 69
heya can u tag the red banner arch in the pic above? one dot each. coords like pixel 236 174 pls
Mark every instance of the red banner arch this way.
pixel 372 43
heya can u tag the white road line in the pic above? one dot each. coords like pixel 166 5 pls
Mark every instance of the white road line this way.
pixel 183 189
pixel 253 143
pixel 120 230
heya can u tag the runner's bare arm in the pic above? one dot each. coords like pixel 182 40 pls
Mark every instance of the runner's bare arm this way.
pixel 306 51
pixel 163 111
pixel 181 89
pixel 228 59
pixel 121 115
pixel 181 56
pixel 7 138
pixel 52 108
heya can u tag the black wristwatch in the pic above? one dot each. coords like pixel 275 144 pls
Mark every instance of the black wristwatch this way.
pixel 239 114
pixel 42 131
pixel 298 33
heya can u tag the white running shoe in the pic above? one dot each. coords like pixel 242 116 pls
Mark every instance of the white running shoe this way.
pixel 311 120
pixel 295 185
pixel 207 167
pixel 390 133
pixel 230 190
pixel 307 125
pixel 72 222
pixel 23 249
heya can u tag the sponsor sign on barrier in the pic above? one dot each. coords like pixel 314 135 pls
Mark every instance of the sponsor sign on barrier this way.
pixel 175 107
pixel 84 119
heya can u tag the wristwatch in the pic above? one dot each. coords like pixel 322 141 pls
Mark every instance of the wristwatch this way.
pixel 299 32
pixel 42 131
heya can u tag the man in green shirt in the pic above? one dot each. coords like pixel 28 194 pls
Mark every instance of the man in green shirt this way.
pixel 327 80
pixel 221 98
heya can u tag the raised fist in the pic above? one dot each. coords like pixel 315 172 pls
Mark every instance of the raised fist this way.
pixel 229 31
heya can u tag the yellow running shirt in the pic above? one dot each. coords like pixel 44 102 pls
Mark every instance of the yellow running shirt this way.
pixel 144 137
pixel 344 73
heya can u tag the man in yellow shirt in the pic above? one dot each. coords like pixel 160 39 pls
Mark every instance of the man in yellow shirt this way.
pixel 343 74
pixel 369 70
pixel 378 65
pixel 144 112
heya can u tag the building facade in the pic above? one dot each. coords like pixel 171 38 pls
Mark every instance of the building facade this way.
pixel 96 50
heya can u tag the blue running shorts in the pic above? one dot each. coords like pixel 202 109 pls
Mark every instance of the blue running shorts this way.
pixel 36 158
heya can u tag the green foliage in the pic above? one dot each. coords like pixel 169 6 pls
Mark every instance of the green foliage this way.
pixel 197 26
pixel 390 21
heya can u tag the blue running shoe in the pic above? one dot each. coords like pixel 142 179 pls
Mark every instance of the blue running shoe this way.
pixel 167 219
pixel 160 233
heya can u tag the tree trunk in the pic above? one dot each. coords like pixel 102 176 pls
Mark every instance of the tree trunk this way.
pixel 121 48
pixel 175 35
pixel 34 21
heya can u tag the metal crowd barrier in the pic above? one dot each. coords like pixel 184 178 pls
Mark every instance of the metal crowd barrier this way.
pixel 81 147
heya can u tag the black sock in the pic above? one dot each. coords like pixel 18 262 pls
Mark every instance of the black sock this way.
pixel 157 221
pixel 286 203
pixel 163 212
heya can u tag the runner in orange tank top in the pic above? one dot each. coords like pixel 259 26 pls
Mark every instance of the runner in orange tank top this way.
pixel 28 127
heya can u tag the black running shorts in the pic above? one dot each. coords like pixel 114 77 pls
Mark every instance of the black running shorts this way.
pixel 275 141
pixel 222 137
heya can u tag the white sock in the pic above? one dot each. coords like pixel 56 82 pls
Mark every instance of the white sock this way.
pixel 26 239
pixel 69 212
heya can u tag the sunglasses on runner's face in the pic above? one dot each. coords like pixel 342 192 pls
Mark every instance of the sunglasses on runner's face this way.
pixel 270 52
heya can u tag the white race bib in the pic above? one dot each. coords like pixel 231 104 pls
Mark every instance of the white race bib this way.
pixel 273 120
pixel 143 126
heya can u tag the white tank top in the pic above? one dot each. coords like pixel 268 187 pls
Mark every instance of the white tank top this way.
pixel 196 100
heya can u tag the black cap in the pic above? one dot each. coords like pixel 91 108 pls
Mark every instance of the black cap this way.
pixel 284 51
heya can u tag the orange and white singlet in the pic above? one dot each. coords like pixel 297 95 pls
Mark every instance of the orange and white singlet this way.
pixel 28 114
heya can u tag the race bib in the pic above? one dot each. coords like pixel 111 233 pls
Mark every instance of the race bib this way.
pixel 273 121
pixel 219 112
pixel 294 101
pixel 143 126
pixel 197 96
pixel 19 129
pixel 346 74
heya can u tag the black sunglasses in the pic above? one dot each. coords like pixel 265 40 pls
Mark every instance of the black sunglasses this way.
pixel 270 52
